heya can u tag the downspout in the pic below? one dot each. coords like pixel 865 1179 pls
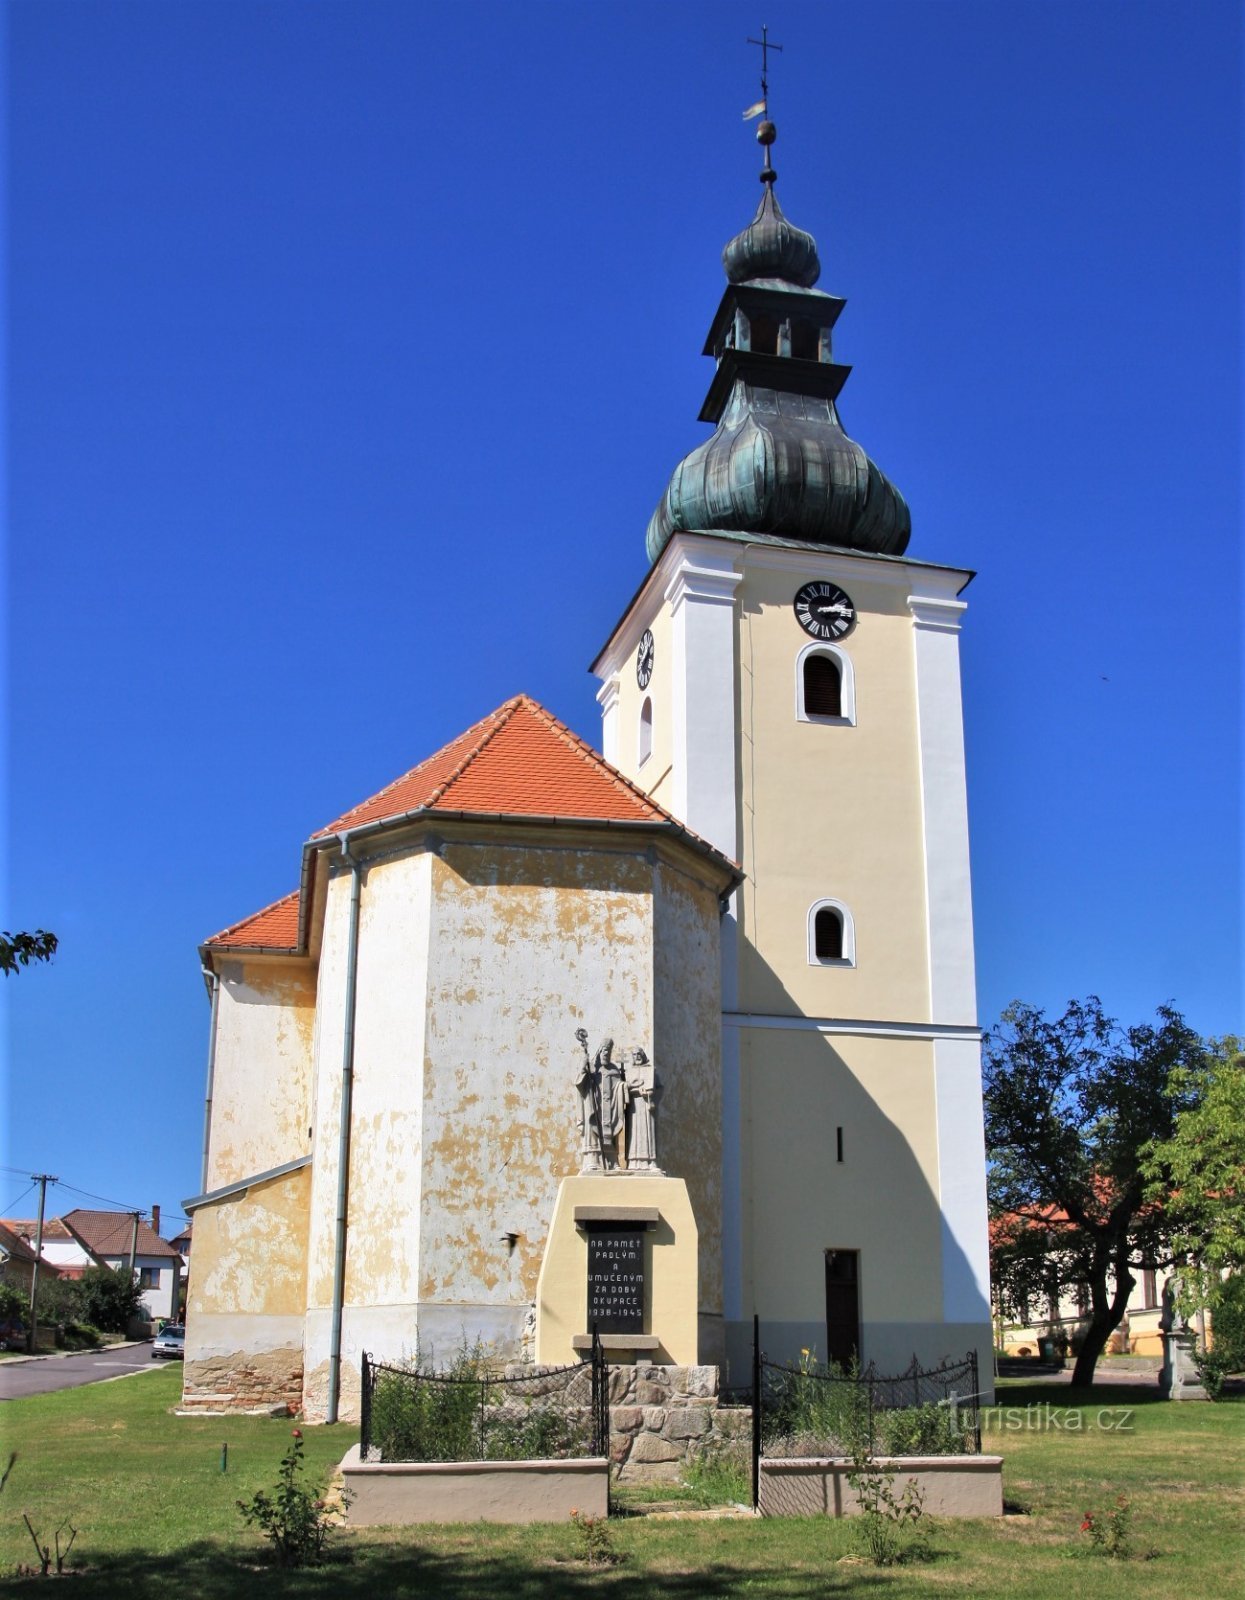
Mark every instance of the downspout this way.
pixel 213 979
pixel 343 1140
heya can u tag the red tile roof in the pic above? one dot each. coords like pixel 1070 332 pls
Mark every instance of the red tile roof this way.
pixel 28 1228
pixel 519 760
pixel 17 1247
pixel 108 1233
pixel 273 928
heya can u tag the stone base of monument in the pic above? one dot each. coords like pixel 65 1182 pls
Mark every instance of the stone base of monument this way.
pixel 1180 1379
pixel 400 1493
pixel 621 1258
pixel 951 1486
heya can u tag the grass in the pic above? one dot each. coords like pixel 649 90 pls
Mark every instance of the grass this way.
pixel 155 1515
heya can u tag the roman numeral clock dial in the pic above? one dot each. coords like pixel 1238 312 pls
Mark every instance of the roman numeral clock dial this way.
pixel 823 610
pixel 644 659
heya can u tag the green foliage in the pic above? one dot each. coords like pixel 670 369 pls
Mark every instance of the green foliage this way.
pixel 1111 1535
pixel 596 1542
pixel 20 949
pixel 60 1301
pixel 1197 1174
pixel 78 1336
pixel 720 1475
pixel 416 1418
pixel 108 1298
pixel 818 1410
pixel 13 1303
pixel 294 1518
pixel 1227 1352
pixel 889 1524
pixel 932 1429
pixel 1072 1107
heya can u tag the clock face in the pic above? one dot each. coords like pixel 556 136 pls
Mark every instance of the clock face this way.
pixel 825 611
pixel 644 659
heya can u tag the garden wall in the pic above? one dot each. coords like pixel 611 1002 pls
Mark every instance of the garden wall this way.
pixel 400 1493
pixel 662 1417
pixel 953 1486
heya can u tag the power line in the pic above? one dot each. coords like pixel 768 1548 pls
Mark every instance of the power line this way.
pixel 13 1204
pixel 120 1205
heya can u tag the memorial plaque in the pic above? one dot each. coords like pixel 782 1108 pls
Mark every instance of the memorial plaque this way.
pixel 616 1277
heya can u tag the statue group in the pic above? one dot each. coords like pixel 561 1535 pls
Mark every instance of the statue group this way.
pixel 616 1101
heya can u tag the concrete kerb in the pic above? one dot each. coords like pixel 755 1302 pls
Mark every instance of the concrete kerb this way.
pixel 63 1355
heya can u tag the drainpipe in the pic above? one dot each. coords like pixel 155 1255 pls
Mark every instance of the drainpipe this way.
pixel 213 979
pixel 343 1141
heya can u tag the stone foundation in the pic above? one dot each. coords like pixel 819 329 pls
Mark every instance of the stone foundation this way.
pixel 663 1417
pixel 244 1381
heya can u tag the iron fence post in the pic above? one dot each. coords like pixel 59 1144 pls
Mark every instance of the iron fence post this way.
pixel 756 1412
pixel 365 1408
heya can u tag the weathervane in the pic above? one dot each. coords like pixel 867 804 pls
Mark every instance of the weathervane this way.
pixel 767 132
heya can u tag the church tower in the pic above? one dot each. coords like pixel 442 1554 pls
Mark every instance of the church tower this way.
pixel 786 681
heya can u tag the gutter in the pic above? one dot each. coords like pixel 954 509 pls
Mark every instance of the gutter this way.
pixel 343 1136
pixel 213 980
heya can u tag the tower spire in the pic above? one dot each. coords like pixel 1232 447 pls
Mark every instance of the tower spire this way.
pixel 767 132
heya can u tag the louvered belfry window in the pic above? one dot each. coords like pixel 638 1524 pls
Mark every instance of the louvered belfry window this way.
pixel 823 687
pixel 828 935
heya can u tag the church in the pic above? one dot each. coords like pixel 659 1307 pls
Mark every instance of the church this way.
pixel 713 985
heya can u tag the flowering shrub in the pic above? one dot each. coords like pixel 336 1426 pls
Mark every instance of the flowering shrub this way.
pixel 1110 1535
pixel 295 1517
pixel 595 1541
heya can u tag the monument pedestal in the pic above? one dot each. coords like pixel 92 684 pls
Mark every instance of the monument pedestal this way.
pixel 1180 1379
pixel 622 1253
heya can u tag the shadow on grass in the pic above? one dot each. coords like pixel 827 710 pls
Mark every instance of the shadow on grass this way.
pixel 1097 1394
pixel 385 1572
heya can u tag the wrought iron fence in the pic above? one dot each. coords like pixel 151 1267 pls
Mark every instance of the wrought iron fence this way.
pixel 811 1409
pixel 472 1413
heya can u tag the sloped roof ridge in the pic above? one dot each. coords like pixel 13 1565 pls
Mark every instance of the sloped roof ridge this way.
pixel 499 719
pixel 404 777
pixel 254 916
pixel 596 760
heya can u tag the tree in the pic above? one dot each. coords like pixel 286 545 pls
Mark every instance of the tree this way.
pixel 109 1297
pixel 1072 1106
pixel 1198 1174
pixel 20 949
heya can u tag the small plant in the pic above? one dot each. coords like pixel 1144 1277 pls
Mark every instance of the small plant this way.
pixel 890 1524
pixel 1111 1535
pixel 596 1543
pixel 48 1553
pixel 295 1518
pixel 720 1475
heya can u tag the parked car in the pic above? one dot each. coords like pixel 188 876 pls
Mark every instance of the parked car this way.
pixel 170 1343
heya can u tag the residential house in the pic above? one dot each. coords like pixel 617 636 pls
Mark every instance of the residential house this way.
pixel 109 1237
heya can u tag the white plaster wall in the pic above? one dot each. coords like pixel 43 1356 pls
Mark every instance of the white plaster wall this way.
pixel 528 943
pixel 687 1051
pixel 382 1251
pixel 262 1080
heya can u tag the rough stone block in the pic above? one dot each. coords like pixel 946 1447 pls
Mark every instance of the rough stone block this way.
pixel 654 1418
pixel 648 1393
pixel 649 1448
pixel 687 1424
pixel 626 1419
pixel 702 1381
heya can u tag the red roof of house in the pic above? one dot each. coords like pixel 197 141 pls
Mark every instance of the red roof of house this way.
pixel 20 1250
pixel 28 1228
pixel 108 1233
pixel 273 928
pixel 519 761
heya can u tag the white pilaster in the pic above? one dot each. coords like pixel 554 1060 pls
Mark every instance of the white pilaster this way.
pixel 607 699
pixel 962 1181
pixel 948 888
pixel 700 592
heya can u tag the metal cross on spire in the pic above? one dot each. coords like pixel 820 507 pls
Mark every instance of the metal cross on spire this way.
pixel 763 44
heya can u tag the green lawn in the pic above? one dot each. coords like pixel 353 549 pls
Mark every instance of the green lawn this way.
pixel 156 1515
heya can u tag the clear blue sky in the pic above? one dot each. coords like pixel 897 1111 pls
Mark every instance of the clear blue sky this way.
pixel 351 345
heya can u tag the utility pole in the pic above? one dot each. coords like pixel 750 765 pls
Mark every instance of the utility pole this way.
pixel 134 1241
pixel 42 1179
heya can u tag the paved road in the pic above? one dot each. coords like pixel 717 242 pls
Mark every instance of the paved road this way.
pixel 21 1378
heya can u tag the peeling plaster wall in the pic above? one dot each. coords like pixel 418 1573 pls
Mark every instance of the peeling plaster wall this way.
pixel 528 944
pixel 244 1318
pixel 687 1050
pixel 262 1083
pixel 382 1249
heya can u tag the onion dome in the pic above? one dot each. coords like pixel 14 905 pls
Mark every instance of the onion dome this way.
pixel 769 247
pixel 778 463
